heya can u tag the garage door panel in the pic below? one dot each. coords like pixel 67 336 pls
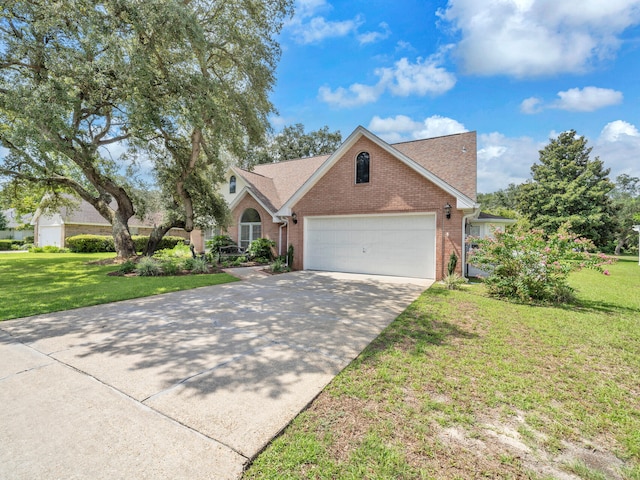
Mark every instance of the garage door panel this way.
pixel 401 245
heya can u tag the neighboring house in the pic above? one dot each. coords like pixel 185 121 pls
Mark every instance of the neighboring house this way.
pixel 484 226
pixel 54 228
pixel 370 207
pixel 16 226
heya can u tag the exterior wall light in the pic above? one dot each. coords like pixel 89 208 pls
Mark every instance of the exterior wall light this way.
pixel 447 211
pixel 294 217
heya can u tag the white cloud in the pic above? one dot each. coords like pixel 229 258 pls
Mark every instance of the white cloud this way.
pixel 402 128
pixel 372 37
pixel 308 26
pixel 403 79
pixel 357 94
pixel 503 160
pixel 531 105
pixel 618 146
pixel 528 38
pixel 420 78
pixel 586 99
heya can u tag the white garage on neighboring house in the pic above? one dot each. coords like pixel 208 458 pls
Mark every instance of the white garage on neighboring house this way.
pixel 52 228
pixel 372 244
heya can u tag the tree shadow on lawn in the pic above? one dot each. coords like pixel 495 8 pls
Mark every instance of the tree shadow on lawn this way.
pixel 416 328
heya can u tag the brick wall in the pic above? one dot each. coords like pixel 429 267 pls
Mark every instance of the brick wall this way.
pixel 393 188
pixel 270 229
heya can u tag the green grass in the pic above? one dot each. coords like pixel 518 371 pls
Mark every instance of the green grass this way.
pixel 41 283
pixel 465 386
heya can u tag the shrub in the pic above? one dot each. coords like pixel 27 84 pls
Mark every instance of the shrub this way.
pixel 48 249
pixel 261 248
pixel 527 266
pixel 239 261
pixel 90 243
pixel 453 281
pixel 290 256
pixel 5 244
pixel 127 267
pixel 278 265
pixel 219 241
pixel 200 265
pixel 148 267
pixel 169 266
pixel 453 262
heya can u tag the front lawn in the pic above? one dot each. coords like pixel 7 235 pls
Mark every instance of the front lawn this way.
pixel 465 386
pixel 41 283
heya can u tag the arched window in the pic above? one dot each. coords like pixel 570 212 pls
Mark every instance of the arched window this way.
pixel 250 227
pixel 232 184
pixel 362 168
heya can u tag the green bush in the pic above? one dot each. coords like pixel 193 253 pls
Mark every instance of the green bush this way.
pixel 278 265
pixel 29 239
pixel 5 244
pixel 453 262
pixel 148 267
pixel 127 267
pixel 104 243
pixel 261 248
pixel 200 265
pixel 219 241
pixel 90 243
pixel 453 281
pixel 169 266
pixel 48 249
pixel 290 256
pixel 529 266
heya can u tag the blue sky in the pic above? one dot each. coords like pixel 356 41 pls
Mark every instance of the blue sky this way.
pixel 516 71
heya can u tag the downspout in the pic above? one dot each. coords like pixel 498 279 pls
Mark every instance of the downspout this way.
pixel 284 223
pixel 464 239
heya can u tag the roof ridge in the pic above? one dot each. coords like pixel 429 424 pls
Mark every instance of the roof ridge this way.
pixel 431 138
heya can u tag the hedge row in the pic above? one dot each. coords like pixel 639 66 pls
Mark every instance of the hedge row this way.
pixel 5 244
pixel 104 243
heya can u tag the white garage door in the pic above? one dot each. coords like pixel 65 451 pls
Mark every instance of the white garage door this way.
pixel 49 236
pixel 397 245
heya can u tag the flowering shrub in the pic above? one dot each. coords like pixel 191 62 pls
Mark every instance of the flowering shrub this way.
pixel 528 266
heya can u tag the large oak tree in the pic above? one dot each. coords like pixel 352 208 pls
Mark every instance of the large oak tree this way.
pixel 180 83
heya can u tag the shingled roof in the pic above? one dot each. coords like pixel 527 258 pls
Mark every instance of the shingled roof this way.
pixel 452 158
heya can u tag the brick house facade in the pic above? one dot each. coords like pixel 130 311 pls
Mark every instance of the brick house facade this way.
pixel 296 199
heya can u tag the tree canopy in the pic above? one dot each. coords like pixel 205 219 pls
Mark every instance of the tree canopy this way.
pixel 292 142
pixel 568 187
pixel 178 85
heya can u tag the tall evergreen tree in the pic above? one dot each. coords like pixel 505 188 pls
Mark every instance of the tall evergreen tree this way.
pixel 568 186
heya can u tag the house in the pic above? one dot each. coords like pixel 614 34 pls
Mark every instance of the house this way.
pixel 483 226
pixel 16 226
pixel 370 207
pixel 54 228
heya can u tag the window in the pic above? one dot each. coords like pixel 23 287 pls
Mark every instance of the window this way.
pixel 250 227
pixel 232 184
pixel 362 168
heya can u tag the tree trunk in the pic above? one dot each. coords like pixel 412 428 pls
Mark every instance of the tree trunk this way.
pixel 155 238
pixel 619 246
pixel 122 240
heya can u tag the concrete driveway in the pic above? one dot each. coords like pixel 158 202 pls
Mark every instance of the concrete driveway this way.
pixel 190 384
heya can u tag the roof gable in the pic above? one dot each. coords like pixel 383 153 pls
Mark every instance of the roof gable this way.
pixel 463 200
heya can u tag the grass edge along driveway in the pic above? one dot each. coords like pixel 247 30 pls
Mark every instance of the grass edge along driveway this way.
pixel 461 385
pixel 38 283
